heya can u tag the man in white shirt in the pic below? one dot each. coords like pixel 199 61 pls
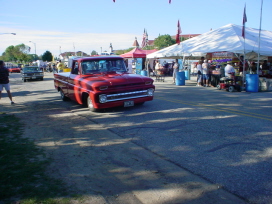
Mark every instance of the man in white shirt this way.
pixel 229 70
pixel 206 73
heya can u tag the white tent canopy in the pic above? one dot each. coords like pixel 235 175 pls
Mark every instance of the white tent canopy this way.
pixel 227 38
pixel 172 52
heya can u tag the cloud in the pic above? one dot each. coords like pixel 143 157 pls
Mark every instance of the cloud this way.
pixel 55 41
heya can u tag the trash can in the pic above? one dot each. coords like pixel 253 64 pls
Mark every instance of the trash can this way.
pixel 252 82
pixel 187 74
pixel 144 73
pixel 180 78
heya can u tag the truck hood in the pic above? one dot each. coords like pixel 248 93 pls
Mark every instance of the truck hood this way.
pixel 115 79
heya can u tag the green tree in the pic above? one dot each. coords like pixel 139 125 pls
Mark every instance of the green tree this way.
pixel 21 52
pixel 17 53
pixel 33 57
pixel 94 52
pixel 9 54
pixel 163 41
pixel 47 56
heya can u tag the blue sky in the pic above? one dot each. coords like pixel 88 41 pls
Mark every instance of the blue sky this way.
pixel 86 25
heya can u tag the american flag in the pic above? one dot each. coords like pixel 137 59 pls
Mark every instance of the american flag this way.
pixel 178 33
pixel 145 39
pixel 169 1
pixel 114 1
pixel 244 22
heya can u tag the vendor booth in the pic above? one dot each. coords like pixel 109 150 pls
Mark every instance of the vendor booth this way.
pixel 226 40
pixel 137 57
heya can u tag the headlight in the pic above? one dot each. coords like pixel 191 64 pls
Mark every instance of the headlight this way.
pixel 150 92
pixel 103 98
pixel 148 82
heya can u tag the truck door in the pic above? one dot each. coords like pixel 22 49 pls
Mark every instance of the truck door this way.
pixel 73 80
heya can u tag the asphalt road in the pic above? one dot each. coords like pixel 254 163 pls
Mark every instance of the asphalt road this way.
pixel 221 137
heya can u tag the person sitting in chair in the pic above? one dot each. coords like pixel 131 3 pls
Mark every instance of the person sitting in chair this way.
pixel 229 70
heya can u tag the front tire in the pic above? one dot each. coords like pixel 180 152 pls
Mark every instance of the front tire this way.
pixel 90 104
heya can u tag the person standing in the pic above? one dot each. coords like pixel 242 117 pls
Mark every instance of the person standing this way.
pixel 199 73
pixel 265 65
pixel 206 74
pixel 158 65
pixel 253 68
pixel 175 70
pixel 54 68
pixel 60 66
pixel 241 66
pixel 4 80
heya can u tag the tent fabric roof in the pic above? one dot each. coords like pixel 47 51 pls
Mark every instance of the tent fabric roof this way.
pixel 137 53
pixel 227 38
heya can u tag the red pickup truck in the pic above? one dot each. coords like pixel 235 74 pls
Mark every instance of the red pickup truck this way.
pixel 103 82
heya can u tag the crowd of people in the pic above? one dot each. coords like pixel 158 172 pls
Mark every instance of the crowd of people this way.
pixel 203 69
pixel 55 68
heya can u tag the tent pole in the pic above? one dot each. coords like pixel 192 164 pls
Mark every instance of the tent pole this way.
pixel 258 65
pixel 244 64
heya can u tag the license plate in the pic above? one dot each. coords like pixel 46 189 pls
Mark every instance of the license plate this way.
pixel 33 77
pixel 128 103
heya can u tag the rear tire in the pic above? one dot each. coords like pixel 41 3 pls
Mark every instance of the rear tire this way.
pixel 62 96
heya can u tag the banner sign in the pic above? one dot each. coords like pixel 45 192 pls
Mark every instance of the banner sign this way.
pixel 222 55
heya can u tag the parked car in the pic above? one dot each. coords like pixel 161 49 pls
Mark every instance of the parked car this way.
pixel 14 69
pixel 31 72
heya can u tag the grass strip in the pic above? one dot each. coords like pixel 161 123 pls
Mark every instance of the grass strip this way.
pixel 22 168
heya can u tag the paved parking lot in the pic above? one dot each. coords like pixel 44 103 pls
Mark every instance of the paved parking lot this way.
pixel 189 145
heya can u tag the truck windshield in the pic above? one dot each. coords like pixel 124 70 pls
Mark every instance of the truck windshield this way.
pixel 94 66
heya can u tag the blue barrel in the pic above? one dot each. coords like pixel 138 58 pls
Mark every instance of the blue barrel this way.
pixel 252 82
pixel 187 74
pixel 144 73
pixel 180 78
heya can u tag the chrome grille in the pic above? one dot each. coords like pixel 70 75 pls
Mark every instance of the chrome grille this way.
pixel 126 95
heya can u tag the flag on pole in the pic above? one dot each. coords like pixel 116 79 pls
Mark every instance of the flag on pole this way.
pixel 114 1
pixel 178 33
pixel 244 22
pixel 169 1
pixel 145 39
